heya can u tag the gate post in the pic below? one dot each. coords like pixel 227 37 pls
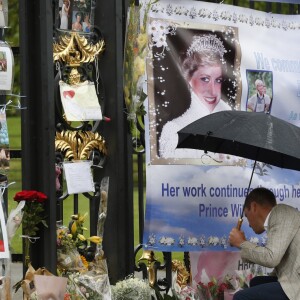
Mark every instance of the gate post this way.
pixel 38 121
pixel 118 238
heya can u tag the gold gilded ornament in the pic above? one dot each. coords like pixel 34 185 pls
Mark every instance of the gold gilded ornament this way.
pixel 183 276
pixel 149 256
pixel 74 77
pixel 78 145
pixel 75 49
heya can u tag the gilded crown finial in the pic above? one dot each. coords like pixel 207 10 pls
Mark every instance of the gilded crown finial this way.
pixel 74 49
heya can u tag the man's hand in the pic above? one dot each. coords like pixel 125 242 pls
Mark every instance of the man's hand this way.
pixel 236 237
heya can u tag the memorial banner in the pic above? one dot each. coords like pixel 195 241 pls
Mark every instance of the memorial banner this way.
pixel 205 58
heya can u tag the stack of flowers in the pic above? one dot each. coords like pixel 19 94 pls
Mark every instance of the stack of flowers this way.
pixel 73 251
pixel 241 279
pixel 131 288
pixel 213 290
pixel 134 60
pixel 87 278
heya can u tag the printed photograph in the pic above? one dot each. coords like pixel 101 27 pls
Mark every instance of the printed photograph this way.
pixel 6 68
pixel 75 15
pixel 3 62
pixel 260 91
pixel 195 73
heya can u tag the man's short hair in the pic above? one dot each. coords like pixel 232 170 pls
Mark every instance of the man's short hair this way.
pixel 257 82
pixel 262 196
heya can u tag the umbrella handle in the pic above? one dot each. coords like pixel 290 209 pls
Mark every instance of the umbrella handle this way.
pixel 239 223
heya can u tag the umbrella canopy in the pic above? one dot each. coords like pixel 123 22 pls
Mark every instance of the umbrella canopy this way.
pixel 257 136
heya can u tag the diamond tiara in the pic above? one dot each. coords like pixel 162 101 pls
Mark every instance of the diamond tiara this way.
pixel 207 42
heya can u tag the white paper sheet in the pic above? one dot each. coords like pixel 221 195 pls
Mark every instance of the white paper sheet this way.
pixel 80 102
pixel 79 177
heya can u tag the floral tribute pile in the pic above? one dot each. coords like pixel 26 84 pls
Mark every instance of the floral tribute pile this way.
pixel 81 259
pixel 213 289
pixel 81 264
pixel 135 54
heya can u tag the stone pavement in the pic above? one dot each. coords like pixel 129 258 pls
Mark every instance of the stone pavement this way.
pixel 16 275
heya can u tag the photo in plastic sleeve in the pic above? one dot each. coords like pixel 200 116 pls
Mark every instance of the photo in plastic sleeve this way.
pixel 6 68
pixel 75 15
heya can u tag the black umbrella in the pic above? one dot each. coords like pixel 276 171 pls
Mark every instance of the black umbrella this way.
pixel 257 136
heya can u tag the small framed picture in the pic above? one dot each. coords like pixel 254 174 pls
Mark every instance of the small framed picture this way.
pixel 75 15
pixel 6 68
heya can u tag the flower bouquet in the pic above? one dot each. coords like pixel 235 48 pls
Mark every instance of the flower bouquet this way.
pixel 131 288
pixel 213 290
pixel 33 216
pixel 90 281
pixel 134 61
pixel 241 278
pixel 73 252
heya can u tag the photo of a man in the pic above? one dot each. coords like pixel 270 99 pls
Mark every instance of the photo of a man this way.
pixel 260 99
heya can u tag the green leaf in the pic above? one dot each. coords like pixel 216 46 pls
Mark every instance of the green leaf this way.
pixel 44 223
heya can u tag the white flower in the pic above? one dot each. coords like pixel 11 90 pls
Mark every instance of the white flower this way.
pixel 159 31
pixel 131 288
pixel 158 28
pixel 204 277
pixel 160 41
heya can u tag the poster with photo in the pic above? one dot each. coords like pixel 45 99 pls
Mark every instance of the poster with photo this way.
pixel 6 68
pixel 219 47
pixel 204 58
pixel 75 15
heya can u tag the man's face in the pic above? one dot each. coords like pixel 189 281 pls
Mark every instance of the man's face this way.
pixel 260 88
pixel 252 216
